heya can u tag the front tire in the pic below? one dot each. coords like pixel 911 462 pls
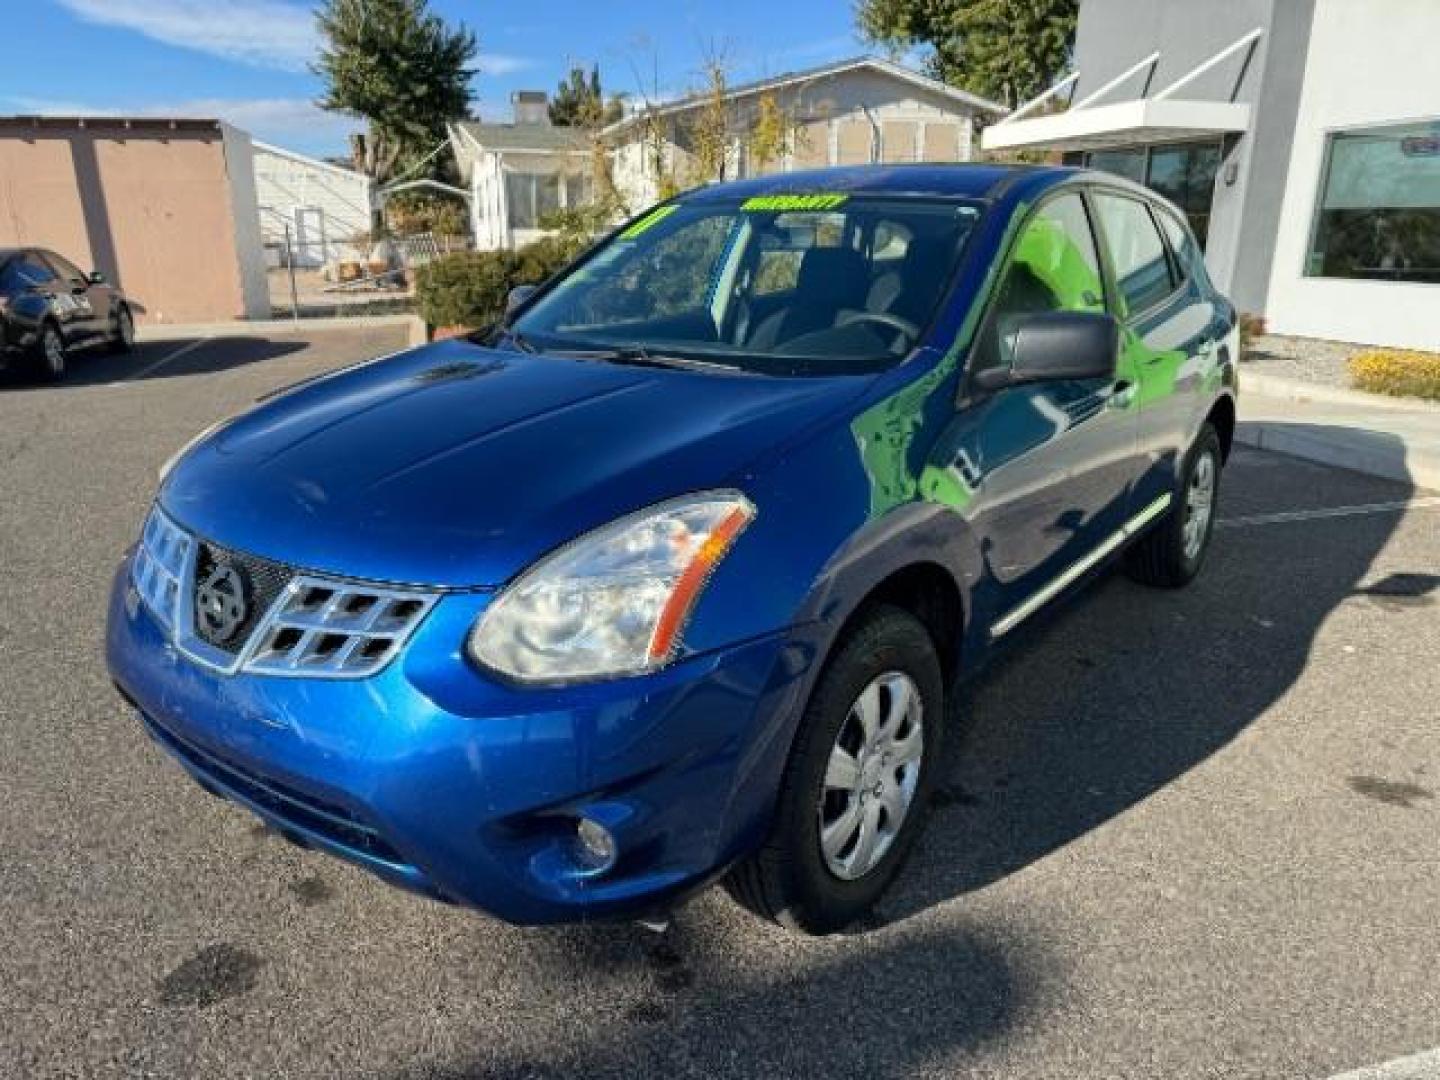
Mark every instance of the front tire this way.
pixel 1171 554
pixel 853 798
pixel 50 354
pixel 123 339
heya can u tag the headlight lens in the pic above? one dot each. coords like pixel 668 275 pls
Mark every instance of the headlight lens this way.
pixel 615 601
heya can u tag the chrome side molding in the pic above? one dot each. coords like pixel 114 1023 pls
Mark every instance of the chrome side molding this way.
pixel 1018 614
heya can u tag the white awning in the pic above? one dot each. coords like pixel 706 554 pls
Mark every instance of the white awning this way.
pixel 1086 125
pixel 1126 123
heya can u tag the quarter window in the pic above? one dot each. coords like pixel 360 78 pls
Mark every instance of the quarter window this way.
pixel 1181 243
pixel 1137 253
pixel 1379 215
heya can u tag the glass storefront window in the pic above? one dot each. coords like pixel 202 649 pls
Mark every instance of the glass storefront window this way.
pixel 1186 176
pixel 1127 163
pixel 1379 214
pixel 1184 173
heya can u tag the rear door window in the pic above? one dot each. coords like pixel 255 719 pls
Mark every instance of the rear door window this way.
pixel 1142 272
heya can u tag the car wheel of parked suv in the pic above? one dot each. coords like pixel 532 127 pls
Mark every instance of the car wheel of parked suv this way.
pixel 50 353
pixel 857 783
pixel 123 339
pixel 1171 554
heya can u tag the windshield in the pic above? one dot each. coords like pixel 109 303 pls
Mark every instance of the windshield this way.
pixel 779 284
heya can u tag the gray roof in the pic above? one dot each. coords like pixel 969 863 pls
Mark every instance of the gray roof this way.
pixel 839 67
pixel 524 136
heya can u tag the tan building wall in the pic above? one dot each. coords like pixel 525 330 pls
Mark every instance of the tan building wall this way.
pixel 151 204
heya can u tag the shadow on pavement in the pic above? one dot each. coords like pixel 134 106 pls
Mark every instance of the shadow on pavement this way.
pixel 1128 688
pixel 148 360
pixel 686 1002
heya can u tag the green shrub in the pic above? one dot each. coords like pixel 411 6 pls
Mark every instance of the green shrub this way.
pixel 469 288
pixel 1401 372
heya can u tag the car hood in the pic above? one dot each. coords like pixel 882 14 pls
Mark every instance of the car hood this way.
pixel 454 465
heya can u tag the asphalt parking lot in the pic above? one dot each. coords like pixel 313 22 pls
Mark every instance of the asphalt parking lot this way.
pixel 1183 835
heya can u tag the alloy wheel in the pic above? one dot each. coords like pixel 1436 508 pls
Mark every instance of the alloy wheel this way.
pixel 54 347
pixel 871 776
pixel 1199 505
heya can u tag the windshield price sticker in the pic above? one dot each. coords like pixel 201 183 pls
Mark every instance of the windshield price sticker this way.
pixel 793 202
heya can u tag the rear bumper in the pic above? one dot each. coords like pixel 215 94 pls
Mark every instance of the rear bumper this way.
pixel 440 780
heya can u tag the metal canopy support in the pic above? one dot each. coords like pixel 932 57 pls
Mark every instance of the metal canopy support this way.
pixel 1090 99
pixel 1248 41
pixel 1035 102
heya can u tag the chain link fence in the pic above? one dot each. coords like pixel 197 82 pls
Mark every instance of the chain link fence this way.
pixel 311 279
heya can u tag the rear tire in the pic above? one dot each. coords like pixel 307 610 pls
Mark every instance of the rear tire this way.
pixel 123 339
pixel 854 794
pixel 1171 553
pixel 50 354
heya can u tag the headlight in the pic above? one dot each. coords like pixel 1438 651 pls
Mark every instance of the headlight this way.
pixel 615 601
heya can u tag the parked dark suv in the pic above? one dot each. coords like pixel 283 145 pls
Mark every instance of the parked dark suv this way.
pixel 47 307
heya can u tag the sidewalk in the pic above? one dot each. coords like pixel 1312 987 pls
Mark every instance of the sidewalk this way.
pixel 268 327
pixel 1392 438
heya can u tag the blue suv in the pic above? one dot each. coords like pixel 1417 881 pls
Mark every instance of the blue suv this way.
pixel 667 577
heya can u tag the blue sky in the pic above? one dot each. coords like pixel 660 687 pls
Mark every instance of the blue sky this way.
pixel 246 60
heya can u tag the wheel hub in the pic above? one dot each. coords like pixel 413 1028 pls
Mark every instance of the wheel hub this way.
pixel 871 776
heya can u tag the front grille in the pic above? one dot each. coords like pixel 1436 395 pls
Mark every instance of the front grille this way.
pixel 159 566
pixel 333 628
pixel 262 580
pixel 320 817
pixel 266 617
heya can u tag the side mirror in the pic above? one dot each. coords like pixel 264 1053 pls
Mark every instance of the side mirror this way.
pixel 518 295
pixel 1054 346
pixel 96 278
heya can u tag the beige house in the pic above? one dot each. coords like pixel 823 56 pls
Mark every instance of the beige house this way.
pixel 854 112
pixel 164 208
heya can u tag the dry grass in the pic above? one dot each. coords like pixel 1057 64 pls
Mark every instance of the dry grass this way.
pixel 1399 372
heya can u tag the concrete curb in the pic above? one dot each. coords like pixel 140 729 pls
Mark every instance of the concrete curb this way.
pixel 263 327
pixel 1385 462
pixel 1298 390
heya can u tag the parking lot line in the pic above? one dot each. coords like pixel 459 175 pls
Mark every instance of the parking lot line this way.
pixel 1398 506
pixel 1422 1066
pixel 189 347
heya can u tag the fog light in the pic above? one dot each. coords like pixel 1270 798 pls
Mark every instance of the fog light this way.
pixel 595 848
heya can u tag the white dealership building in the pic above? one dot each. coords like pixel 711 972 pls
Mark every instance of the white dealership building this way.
pixel 1302 137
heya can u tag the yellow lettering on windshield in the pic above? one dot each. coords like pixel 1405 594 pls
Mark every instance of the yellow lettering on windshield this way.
pixel 764 203
pixel 649 220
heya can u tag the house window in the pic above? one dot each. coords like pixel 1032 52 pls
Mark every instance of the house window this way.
pixel 520 200
pixel 1184 173
pixel 1379 213
pixel 533 196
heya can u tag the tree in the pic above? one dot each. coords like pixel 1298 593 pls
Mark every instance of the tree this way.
pixel 1009 50
pixel 399 67
pixel 579 101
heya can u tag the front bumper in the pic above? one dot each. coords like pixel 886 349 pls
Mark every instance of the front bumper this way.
pixel 443 781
